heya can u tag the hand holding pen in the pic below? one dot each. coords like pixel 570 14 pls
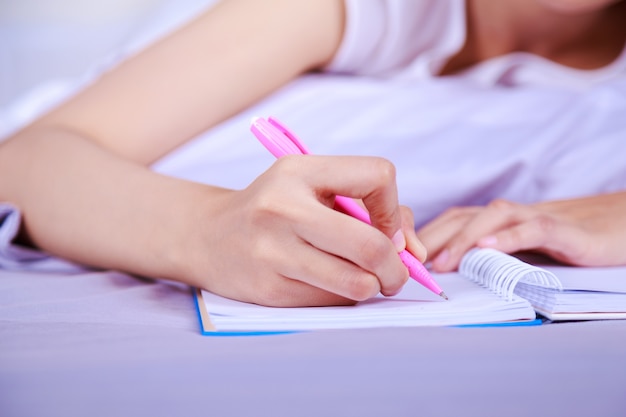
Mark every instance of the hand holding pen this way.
pixel 280 141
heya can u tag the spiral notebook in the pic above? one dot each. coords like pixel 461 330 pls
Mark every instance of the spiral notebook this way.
pixel 490 288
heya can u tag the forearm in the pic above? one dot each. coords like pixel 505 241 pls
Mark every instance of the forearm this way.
pixel 212 68
pixel 86 204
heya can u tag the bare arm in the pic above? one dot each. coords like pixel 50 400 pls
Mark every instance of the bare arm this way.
pixel 80 176
pixel 212 68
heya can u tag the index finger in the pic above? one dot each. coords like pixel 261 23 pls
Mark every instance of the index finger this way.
pixel 495 216
pixel 371 179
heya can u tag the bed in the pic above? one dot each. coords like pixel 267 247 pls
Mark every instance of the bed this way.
pixel 78 341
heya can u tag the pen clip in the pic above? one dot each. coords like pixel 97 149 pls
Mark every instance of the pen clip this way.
pixel 274 138
pixel 292 136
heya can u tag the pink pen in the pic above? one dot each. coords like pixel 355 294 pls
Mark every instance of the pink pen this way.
pixel 280 141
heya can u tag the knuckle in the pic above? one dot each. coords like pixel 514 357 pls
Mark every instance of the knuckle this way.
pixel 454 211
pixel 396 285
pixel 515 236
pixel 406 213
pixel 288 164
pixel 462 239
pixel 373 250
pixel 544 227
pixel 386 223
pixel 264 208
pixel 267 208
pixel 358 286
pixel 545 224
pixel 385 170
pixel 500 204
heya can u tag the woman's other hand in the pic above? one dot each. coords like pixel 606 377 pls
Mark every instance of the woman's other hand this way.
pixel 587 231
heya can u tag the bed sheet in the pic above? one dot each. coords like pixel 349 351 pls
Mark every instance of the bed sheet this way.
pixel 76 341
pixel 453 142
pixel 101 343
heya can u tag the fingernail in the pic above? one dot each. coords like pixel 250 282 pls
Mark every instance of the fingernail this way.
pixel 488 241
pixel 441 259
pixel 399 241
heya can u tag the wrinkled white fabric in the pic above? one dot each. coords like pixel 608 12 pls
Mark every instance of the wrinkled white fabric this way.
pixel 454 140
pixel 414 40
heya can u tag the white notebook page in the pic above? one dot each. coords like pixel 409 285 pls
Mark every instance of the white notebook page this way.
pixel 469 303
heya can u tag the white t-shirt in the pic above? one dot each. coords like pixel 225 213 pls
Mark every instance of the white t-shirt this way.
pixel 414 39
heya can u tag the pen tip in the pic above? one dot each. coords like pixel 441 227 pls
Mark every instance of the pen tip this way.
pixel 443 295
pixel 254 119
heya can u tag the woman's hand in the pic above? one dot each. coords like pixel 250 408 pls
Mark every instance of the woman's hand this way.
pixel 585 231
pixel 279 242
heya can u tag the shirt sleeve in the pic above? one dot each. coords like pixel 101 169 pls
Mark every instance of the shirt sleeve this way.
pixel 414 39
pixel 384 37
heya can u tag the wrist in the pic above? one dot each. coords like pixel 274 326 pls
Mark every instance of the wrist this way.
pixel 188 236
